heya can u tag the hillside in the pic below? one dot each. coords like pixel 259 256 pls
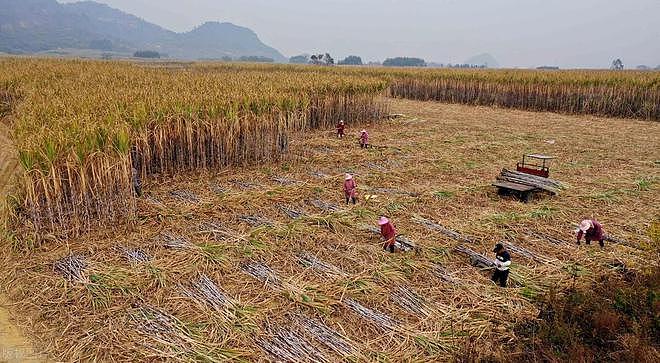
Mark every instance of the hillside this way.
pixel 30 26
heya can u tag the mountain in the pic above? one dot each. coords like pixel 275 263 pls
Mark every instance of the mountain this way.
pixel 482 59
pixel 30 26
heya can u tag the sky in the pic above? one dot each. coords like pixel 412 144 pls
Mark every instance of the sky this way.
pixel 518 33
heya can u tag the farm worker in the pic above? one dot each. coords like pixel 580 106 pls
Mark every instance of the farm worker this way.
pixel 387 233
pixel 350 189
pixel 592 231
pixel 364 139
pixel 340 129
pixel 502 263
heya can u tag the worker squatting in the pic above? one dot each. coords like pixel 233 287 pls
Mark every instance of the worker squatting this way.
pixel 590 229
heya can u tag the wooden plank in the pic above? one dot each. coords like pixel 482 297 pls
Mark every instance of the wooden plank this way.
pixel 514 186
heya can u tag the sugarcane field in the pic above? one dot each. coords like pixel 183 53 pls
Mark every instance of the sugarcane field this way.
pixel 205 212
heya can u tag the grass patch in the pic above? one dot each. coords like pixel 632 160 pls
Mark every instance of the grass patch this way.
pixel 443 194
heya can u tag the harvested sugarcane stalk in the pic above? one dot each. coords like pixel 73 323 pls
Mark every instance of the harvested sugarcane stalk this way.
pixel 285 181
pixel 545 236
pixel 291 212
pixel 205 292
pixel 72 267
pixel 442 273
pixel 411 301
pixel 263 273
pixel 311 261
pixel 185 196
pixel 376 317
pixel 526 253
pixel 175 242
pixel 256 221
pixel 136 256
pixel 446 231
pixel 395 191
pixel 476 259
pixel 552 183
pixel 327 336
pixel 328 207
pixel 245 185
pixel 289 346
pixel 621 241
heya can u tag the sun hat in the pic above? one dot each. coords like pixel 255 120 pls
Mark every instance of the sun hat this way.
pixel 585 225
pixel 498 247
pixel 363 131
pixel 348 176
pixel 383 221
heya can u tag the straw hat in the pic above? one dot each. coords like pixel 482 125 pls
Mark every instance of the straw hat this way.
pixel 383 221
pixel 363 131
pixel 348 177
pixel 585 225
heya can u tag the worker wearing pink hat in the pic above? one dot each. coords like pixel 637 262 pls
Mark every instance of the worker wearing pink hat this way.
pixel 387 233
pixel 592 231
pixel 350 189
pixel 364 139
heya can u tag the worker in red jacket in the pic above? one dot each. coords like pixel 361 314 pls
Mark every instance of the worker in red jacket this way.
pixel 350 189
pixel 387 234
pixel 364 139
pixel 341 127
pixel 592 231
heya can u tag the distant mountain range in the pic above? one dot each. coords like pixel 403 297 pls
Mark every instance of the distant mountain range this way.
pixel 32 26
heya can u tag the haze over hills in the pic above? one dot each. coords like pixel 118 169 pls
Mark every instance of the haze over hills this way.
pixel 30 26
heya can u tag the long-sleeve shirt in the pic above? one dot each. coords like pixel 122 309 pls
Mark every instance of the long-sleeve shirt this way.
pixel 387 231
pixel 340 128
pixel 503 261
pixel 594 233
pixel 364 138
pixel 350 188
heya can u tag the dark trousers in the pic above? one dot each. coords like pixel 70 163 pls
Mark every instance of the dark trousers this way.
pixel 500 276
pixel 351 199
pixel 600 242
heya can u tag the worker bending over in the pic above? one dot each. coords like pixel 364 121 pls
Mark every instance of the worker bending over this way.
pixel 387 234
pixel 364 139
pixel 350 189
pixel 502 263
pixel 592 231
pixel 341 129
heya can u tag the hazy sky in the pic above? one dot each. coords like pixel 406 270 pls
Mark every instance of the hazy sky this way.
pixel 524 33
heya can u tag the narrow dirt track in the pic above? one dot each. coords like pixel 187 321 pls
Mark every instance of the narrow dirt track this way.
pixel 14 347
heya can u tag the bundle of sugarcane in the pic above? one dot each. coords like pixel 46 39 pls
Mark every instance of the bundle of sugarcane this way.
pixel 72 267
pixel 476 259
pixel 289 346
pixel 185 196
pixel 374 166
pixel 328 207
pixel 285 181
pixel 176 242
pixel 256 221
pixel 621 241
pixel 319 174
pixel 446 231
pixel 395 191
pixel 309 260
pixel 205 292
pixel 547 184
pixel 327 336
pixel 159 325
pixel 245 185
pixel 290 212
pixel 136 256
pixel 217 189
pixel 376 317
pixel 263 273
pixel 411 301
pixel 526 253
pixel 545 236
pixel 441 272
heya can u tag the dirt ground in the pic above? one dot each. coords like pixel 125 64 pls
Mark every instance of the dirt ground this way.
pixel 236 228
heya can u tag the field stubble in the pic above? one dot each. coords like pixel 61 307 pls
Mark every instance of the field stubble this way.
pixel 446 154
